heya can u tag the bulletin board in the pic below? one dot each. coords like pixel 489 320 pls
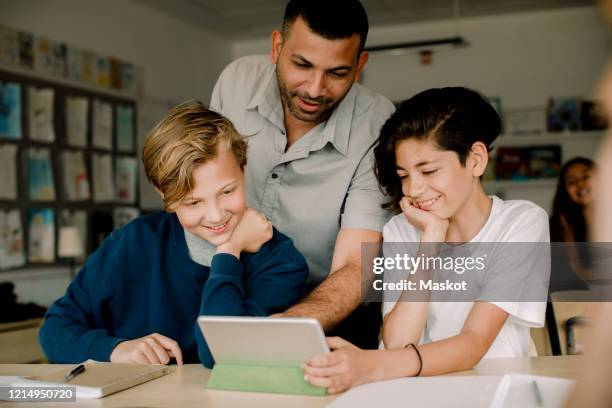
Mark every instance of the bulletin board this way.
pixel 86 140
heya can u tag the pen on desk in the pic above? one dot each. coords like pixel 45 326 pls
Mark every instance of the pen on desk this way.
pixel 78 370
pixel 537 393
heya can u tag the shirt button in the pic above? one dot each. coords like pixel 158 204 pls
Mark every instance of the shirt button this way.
pixel 282 132
pixel 274 175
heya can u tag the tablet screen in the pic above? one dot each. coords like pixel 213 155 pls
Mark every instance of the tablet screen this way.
pixel 285 342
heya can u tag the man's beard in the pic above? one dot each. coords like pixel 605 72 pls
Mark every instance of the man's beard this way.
pixel 327 104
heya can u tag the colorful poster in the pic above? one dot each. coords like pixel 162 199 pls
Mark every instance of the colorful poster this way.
pixel 8 169
pixel 103 187
pixel 10 110
pixel 40 114
pixel 40 175
pixel 125 128
pixel 102 125
pixel 9 46
pixel 76 182
pixel 126 172
pixel 76 218
pixel 76 121
pixel 41 235
pixel 12 251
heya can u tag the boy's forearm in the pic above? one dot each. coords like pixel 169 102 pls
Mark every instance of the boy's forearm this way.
pixel 443 357
pixel 440 357
pixel 390 364
pixel 404 324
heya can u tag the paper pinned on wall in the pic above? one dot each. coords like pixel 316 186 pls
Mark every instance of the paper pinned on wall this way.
pixel 8 169
pixel 102 125
pixel 126 169
pixel 76 182
pixel 125 128
pixel 41 235
pixel 76 121
pixel 10 110
pixel 103 187
pixel 76 218
pixel 12 252
pixel 40 114
pixel 40 175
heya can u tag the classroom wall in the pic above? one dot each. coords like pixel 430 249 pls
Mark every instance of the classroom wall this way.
pixel 523 57
pixel 179 62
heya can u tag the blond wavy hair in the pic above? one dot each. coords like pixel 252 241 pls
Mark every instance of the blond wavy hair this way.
pixel 189 135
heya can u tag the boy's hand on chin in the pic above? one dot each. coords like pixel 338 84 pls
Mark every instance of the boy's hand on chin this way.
pixel 434 228
pixel 253 230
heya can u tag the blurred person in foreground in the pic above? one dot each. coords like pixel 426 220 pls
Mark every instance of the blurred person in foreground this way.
pixel 593 389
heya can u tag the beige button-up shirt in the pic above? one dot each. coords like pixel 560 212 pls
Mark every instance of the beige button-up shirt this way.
pixel 325 180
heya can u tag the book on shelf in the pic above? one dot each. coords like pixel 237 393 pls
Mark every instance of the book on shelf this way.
pixel 563 114
pixel 512 163
pixel 592 116
pixel 527 163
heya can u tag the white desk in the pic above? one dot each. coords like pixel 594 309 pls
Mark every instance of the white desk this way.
pixel 184 386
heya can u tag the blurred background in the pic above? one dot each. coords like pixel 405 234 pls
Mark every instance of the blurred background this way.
pixel 82 82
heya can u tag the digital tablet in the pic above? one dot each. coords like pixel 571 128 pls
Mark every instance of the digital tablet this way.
pixel 284 342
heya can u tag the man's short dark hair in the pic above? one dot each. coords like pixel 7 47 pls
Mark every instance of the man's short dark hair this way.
pixel 331 19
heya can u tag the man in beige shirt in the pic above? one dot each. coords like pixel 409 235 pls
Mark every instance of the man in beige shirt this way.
pixel 311 129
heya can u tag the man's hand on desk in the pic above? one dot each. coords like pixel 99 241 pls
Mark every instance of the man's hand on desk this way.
pixel 151 349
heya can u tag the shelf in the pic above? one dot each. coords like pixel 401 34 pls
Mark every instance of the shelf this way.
pixel 548 138
pixel 493 185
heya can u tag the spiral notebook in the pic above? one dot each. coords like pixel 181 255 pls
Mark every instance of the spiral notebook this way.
pixel 99 379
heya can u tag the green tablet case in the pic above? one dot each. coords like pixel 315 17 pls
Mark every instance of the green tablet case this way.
pixel 279 380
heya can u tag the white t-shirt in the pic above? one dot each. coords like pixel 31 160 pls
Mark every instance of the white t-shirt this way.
pixel 509 221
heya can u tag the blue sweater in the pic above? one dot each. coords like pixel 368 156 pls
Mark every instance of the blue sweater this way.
pixel 142 280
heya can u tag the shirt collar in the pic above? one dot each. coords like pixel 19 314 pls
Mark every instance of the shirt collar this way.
pixel 335 131
pixel 338 126
pixel 266 87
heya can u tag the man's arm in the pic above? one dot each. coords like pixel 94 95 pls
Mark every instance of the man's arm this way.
pixel 340 293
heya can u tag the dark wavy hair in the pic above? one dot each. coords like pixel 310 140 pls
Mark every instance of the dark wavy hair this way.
pixel 331 19
pixel 454 118
pixel 564 206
